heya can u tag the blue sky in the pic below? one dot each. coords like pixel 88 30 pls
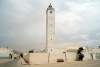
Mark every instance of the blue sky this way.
pixel 23 23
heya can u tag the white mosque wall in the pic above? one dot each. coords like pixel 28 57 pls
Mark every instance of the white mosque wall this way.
pixel 55 56
pixel 38 58
pixel 68 55
pixel 42 58
pixel 71 56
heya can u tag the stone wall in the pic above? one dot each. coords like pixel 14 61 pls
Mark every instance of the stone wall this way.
pixel 71 56
pixel 67 55
pixel 54 56
pixel 38 58
pixel 27 57
pixel 42 58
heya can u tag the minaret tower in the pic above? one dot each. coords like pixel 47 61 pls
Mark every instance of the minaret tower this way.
pixel 50 29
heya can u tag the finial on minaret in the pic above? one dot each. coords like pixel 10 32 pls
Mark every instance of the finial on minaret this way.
pixel 50 5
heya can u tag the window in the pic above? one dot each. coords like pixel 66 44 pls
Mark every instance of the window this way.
pixel 50 11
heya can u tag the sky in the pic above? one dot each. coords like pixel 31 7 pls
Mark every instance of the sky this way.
pixel 23 23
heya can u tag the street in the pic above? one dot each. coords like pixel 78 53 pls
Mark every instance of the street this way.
pixel 90 63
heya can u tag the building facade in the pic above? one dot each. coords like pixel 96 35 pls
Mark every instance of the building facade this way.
pixel 50 29
pixel 4 52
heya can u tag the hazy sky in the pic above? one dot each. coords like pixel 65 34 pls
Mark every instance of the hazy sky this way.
pixel 23 23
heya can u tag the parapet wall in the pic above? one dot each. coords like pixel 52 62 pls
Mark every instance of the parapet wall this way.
pixel 68 56
pixel 42 58
pixel 38 58
pixel 54 56
pixel 27 57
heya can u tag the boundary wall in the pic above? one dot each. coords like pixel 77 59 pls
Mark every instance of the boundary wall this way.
pixel 42 58
pixel 67 56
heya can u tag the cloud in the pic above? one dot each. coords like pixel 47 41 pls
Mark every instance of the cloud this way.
pixel 75 37
pixel 98 34
pixel 67 23
pixel 23 22
pixel 11 33
pixel 2 35
pixel 86 36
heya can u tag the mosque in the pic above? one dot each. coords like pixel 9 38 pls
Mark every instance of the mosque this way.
pixel 51 54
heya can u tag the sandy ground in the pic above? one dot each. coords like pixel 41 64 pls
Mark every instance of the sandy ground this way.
pixel 4 60
pixel 16 63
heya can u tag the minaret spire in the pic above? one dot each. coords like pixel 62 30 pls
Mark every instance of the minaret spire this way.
pixel 50 5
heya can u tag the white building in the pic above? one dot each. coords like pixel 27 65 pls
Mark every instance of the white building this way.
pixel 67 53
pixel 4 52
pixel 94 53
pixel 50 29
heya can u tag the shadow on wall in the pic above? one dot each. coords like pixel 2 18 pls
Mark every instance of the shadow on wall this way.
pixel 77 57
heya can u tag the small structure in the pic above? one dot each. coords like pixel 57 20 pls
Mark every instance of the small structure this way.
pixel 5 52
pixel 9 53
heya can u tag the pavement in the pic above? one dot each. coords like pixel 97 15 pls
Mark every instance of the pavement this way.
pixel 90 63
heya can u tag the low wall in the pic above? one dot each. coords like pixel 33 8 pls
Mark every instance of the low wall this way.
pixel 27 57
pixel 54 56
pixel 38 58
pixel 42 58
pixel 86 56
pixel 71 56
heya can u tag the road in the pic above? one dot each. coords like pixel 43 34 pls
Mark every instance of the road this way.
pixel 12 63
pixel 16 63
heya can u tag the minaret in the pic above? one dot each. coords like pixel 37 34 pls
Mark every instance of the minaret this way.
pixel 50 29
